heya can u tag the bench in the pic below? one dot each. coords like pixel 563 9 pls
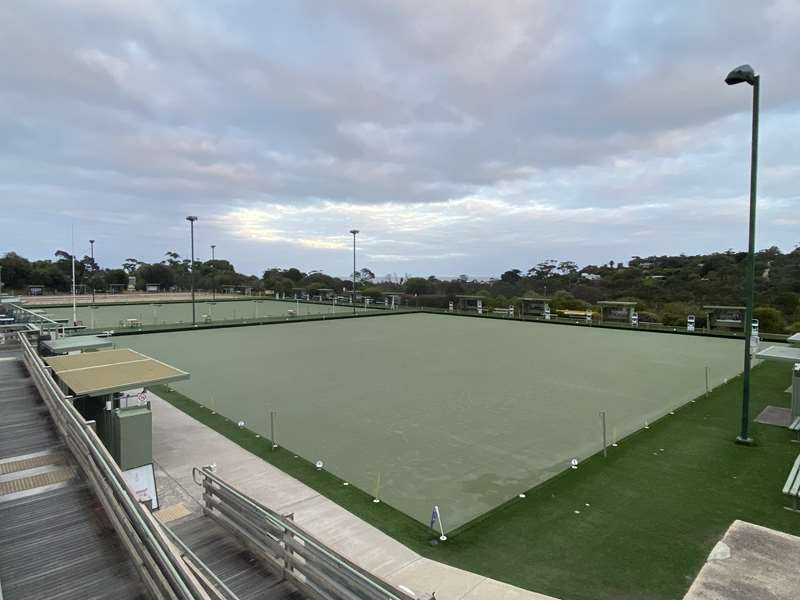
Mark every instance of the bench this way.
pixel 795 426
pixel 792 487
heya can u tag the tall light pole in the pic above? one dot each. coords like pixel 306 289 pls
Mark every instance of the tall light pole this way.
pixel 746 74
pixel 355 233
pixel 213 281
pixel 191 220
pixel 91 253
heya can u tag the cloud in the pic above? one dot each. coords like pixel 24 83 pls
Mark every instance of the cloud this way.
pixel 548 128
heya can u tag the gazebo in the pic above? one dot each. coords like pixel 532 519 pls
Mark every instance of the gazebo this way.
pixel 616 311
pixel 729 318
pixel 392 299
pixel 535 307
pixel 470 304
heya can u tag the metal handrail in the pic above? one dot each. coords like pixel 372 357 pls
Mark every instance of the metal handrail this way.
pixel 195 560
pixel 155 557
pixel 345 571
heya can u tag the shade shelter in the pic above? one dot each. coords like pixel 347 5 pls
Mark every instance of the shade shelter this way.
pixel 730 318
pixel 470 304
pixel 98 380
pixel 617 311
pixel 392 299
pixel 76 343
pixel 535 307
pixel 108 371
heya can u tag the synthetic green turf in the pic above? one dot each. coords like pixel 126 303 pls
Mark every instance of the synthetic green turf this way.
pixel 425 410
pixel 658 503
pixel 110 316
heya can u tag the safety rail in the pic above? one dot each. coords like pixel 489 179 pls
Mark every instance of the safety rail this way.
pixel 25 315
pixel 155 557
pixel 200 567
pixel 312 567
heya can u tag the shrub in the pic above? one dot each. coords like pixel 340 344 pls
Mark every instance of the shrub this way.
pixel 770 320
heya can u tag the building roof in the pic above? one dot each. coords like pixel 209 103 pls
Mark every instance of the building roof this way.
pixel 75 343
pixel 536 299
pixel 107 371
pixel 616 303
pixel 466 296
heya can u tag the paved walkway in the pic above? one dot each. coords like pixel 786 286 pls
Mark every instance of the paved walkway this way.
pixel 750 562
pixel 180 443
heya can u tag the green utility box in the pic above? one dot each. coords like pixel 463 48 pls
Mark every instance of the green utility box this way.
pixel 131 437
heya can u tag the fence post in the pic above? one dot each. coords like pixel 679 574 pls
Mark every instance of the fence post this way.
pixel 605 442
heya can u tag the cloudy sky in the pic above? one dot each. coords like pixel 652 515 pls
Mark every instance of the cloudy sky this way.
pixel 458 136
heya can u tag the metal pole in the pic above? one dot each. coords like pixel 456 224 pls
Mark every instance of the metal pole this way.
pixel 707 390
pixel 272 429
pixel 213 281
pixel 354 232
pixel 744 436
pixel 191 220
pixel 605 442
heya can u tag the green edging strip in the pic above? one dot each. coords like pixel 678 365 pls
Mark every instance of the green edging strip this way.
pixel 657 504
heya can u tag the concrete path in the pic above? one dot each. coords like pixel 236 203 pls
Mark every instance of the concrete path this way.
pixel 180 443
pixel 750 562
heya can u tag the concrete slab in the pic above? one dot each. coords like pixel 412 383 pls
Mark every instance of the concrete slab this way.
pixel 432 576
pixel 180 443
pixel 761 563
pixel 489 588
pixel 778 416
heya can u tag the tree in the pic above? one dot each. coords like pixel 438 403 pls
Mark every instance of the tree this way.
pixel 366 275
pixel 512 276
pixel 770 320
pixel 294 274
pixel 544 270
pixel 156 273
pixel 418 286
pixel 130 265
pixel 567 267
pixel 787 302
pixel 17 271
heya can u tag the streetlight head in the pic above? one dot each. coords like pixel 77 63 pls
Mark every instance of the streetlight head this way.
pixel 91 241
pixel 191 218
pixel 354 231
pixel 742 74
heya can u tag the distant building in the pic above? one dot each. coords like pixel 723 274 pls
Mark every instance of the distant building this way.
pixel 591 276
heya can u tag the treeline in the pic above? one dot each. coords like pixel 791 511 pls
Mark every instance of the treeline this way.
pixel 666 288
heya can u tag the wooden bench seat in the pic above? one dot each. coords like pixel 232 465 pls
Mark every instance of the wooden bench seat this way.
pixel 792 487
pixel 795 426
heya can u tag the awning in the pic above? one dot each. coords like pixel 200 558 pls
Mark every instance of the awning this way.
pixel 780 353
pixel 107 371
pixel 75 343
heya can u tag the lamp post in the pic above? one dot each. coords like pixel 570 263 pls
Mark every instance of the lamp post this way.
pixel 191 220
pixel 213 281
pixel 91 253
pixel 354 232
pixel 746 74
